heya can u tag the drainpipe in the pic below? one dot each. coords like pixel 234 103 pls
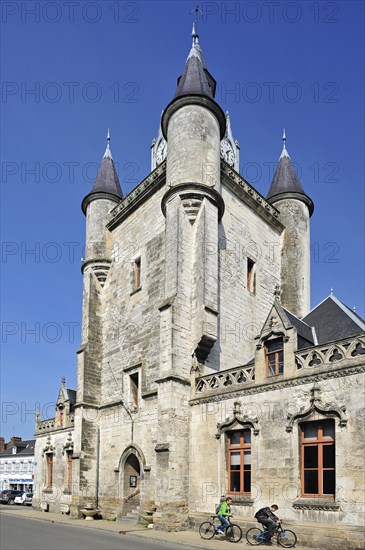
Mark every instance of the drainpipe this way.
pixel 97 466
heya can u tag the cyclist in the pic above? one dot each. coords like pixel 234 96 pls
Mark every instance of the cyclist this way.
pixel 267 517
pixel 223 514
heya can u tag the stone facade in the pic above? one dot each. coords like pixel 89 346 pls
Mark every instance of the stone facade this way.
pixel 181 304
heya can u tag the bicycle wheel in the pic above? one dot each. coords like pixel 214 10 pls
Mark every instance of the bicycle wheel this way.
pixel 287 538
pixel 233 533
pixel 206 530
pixel 253 536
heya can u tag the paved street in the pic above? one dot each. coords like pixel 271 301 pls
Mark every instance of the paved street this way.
pixel 24 528
pixel 22 533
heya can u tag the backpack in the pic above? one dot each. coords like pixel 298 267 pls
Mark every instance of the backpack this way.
pixel 218 508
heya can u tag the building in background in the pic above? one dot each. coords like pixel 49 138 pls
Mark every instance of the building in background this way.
pixel 17 464
pixel 202 369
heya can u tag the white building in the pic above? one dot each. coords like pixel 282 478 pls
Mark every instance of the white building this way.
pixel 17 464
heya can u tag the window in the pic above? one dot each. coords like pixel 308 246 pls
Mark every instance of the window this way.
pixel 49 470
pixel 274 355
pixel 137 273
pixel 69 470
pixel 61 418
pixel 239 462
pixel 251 276
pixel 318 458
pixel 134 385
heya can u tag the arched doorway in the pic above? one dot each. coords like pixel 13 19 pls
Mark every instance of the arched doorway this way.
pixel 131 483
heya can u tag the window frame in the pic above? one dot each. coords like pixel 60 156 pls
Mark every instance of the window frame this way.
pixel 242 447
pixel 251 275
pixel 49 479
pixel 137 273
pixel 318 442
pixel 69 454
pixel 276 355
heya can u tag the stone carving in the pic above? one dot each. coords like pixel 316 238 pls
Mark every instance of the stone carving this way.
pixel 317 405
pixel 221 380
pixel 69 445
pixel 48 448
pixel 237 418
pixel 326 355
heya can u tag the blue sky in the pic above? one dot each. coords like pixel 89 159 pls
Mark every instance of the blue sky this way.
pixel 94 65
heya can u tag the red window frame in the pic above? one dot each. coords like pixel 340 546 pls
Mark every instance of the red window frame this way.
pixel 278 364
pixel 319 442
pixel 241 448
pixel 49 470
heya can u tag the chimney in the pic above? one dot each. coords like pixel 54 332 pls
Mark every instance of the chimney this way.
pixel 2 444
pixel 14 441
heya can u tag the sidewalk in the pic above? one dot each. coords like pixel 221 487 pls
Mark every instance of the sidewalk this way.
pixel 189 539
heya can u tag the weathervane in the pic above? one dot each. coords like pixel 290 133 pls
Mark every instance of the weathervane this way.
pixel 197 10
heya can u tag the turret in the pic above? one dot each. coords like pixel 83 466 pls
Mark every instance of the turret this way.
pixel 193 125
pixel 105 194
pixel 295 208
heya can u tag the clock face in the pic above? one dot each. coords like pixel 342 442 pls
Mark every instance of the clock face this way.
pixel 161 151
pixel 227 153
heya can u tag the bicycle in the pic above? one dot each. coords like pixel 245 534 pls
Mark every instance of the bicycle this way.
pixel 284 537
pixel 208 529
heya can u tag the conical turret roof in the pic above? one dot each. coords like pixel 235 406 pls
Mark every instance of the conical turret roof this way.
pixel 286 183
pixel 195 79
pixel 107 182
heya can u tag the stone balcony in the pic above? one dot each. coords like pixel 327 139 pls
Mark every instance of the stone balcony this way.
pixel 336 356
pixel 49 425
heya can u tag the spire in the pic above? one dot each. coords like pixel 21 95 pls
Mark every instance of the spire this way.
pixel 284 152
pixel 285 183
pixel 195 79
pixel 107 184
pixel 194 35
pixel 108 153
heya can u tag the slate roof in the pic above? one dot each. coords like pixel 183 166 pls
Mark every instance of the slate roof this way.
pixel 71 395
pixel 286 181
pixel 106 183
pixel 24 448
pixel 333 320
pixel 306 334
pixel 195 79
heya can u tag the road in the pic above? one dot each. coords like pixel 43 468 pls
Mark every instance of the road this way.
pixel 22 533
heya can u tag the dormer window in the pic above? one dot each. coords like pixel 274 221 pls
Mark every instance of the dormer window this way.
pixel 274 356
pixel 14 450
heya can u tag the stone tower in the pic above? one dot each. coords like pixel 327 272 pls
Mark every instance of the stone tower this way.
pixel 105 194
pixel 193 126
pixel 295 208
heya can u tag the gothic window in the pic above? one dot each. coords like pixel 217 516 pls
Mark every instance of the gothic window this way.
pixel 49 470
pixel 137 273
pixel 239 462
pixel 318 458
pixel 274 355
pixel 251 276
pixel 69 470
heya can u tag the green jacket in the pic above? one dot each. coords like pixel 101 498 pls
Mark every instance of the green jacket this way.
pixel 224 510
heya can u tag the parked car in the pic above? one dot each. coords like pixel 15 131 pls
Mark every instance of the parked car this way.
pixel 8 496
pixel 20 498
pixel 28 499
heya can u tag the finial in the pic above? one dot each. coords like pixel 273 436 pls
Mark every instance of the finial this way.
pixel 354 309
pixel 63 380
pixel 194 33
pixel 284 152
pixel 331 291
pixel 108 153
